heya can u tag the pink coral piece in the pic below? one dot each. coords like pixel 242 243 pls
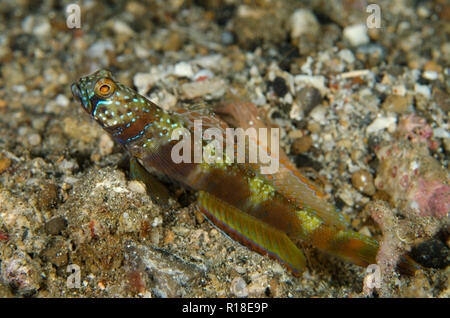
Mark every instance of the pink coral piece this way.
pixel 433 198
pixel 416 130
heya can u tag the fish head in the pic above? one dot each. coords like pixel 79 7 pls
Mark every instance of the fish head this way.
pixel 120 110
pixel 109 102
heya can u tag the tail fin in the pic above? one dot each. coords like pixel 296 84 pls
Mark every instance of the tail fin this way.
pixel 351 246
pixel 355 248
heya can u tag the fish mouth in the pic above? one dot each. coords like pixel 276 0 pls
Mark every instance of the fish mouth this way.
pixel 76 92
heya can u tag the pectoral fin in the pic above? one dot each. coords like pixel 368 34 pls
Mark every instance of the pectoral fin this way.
pixel 155 189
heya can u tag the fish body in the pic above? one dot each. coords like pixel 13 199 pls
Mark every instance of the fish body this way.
pixel 273 214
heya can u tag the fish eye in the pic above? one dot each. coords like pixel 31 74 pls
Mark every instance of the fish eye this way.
pixel 104 87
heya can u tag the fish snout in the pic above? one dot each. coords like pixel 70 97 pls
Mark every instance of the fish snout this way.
pixel 76 91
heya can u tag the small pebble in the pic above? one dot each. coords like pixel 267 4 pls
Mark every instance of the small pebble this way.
pixel 214 87
pixel 346 196
pixel 319 114
pixel 363 182
pixel 137 186
pixel 365 231
pixel 396 103
pixel 55 225
pixel 301 145
pixel 430 75
pixel 399 90
pixel 432 66
pixel 258 286
pixel 42 28
pixel 313 127
pixel 47 196
pixel 98 49
pixel 173 42
pixel 157 221
pixel 165 100
pixel 227 38
pixel 356 34
pixel 309 97
pixel 62 100
pixel 34 139
pixel 423 90
pixel 122 28
pixel 441 133
pixel 303 22
pixel 56 252
pixel 347 56
pixel 381 123
pixel 68 166
pixel 21 273
pixel 442 99
pixel 143 82
pixel 240 269
pixel 279 86
pixel 106 145
pixel 4 164
pixel 239 287
pixel 317 81
pixel 373 53
pixel 39 123
pixel 135 8
pixel 183 69
pixel 202 75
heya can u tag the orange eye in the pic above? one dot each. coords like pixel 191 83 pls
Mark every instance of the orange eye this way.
pixel 104 87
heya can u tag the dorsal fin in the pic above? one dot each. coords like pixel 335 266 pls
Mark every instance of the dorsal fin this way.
pixel 299 190
pixel 201 112
pixel 287 180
